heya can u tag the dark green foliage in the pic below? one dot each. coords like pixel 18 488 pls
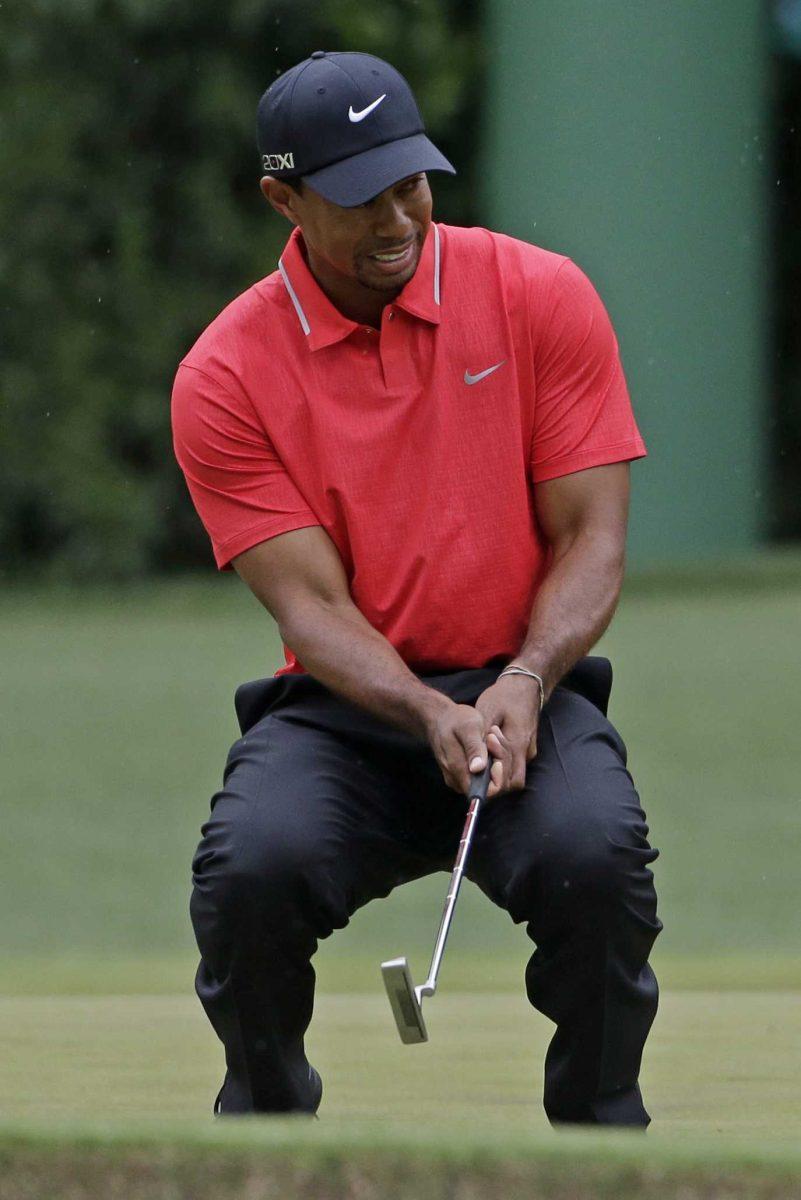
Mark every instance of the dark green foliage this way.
pixel 131 216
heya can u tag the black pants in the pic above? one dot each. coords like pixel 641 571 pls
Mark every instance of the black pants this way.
pixel 324 807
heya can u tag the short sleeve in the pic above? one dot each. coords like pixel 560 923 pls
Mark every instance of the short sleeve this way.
pixel 239 486
pixel 583 416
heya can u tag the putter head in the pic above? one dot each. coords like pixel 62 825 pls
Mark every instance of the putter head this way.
pixel 405 1006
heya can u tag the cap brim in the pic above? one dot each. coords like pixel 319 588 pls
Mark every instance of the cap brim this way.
pixel 358 179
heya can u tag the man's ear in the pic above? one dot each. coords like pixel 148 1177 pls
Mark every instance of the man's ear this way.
pixel 282 198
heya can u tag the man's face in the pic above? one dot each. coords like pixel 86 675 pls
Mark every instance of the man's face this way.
pixel 378 243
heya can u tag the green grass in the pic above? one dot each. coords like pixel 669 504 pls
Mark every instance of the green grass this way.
pixel 122 714
pixel 716 1064
pixel 121 1086
pixel 115 737
pixel 282 1162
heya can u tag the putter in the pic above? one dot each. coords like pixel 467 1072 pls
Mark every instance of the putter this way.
pixel 405 999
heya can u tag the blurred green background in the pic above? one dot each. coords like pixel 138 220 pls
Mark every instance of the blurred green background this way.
pixel 656 144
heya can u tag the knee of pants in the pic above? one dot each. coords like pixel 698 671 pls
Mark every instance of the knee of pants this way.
pixel 590 870
pixel 279 881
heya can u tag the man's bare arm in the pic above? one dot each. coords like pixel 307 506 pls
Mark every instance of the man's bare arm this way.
pixel 584 518
pixel 300 579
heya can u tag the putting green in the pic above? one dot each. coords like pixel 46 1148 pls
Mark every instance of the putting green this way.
pixel 716 1064
pixel 120 723
pixel 109 1097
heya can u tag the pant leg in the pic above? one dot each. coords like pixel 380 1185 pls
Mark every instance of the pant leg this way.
pixel 312 821
pixel 569 856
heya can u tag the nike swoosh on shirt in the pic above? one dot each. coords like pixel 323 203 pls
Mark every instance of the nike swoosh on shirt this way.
pixel 468 378
pixel 359 116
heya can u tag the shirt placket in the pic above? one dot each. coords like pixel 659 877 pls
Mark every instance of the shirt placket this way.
pixel 396 362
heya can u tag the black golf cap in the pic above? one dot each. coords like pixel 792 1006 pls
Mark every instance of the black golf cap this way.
pixel 348 123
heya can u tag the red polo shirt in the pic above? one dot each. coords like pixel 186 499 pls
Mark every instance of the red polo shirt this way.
pixel 417 447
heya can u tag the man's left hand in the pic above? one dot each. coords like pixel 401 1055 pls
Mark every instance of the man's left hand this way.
pixel 511 711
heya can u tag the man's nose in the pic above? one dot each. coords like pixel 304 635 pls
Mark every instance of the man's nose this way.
pixel 392 220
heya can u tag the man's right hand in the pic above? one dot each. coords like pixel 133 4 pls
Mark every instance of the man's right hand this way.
pixel 457 737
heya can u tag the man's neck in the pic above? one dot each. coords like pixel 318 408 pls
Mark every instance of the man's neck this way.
pixel 354 300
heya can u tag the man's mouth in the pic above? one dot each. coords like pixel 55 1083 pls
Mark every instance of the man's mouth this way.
pixel 398 256
pixel 391 255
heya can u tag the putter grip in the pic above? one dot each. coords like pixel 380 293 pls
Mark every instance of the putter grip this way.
pixel 480 783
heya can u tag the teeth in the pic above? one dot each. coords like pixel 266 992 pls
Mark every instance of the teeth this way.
pixel 390 257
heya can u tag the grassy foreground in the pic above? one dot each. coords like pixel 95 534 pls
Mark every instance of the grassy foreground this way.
pixel 109 1097
pixel 120 722
pixel 716 1064
pixel 281 1159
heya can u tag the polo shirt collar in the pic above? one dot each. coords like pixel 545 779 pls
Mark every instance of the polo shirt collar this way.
pixel 323 323
pixel 421 296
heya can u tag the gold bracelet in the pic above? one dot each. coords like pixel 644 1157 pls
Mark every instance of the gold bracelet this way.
pixel 533 674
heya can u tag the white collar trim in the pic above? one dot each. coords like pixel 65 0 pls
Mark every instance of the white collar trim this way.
pixel 304 324
pixel 436 266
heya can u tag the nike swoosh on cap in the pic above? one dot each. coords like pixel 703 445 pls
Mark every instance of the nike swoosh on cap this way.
pixel 468 378
pixel 359 116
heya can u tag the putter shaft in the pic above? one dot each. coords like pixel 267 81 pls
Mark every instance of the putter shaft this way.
pixel 430 986
pixel 404 997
